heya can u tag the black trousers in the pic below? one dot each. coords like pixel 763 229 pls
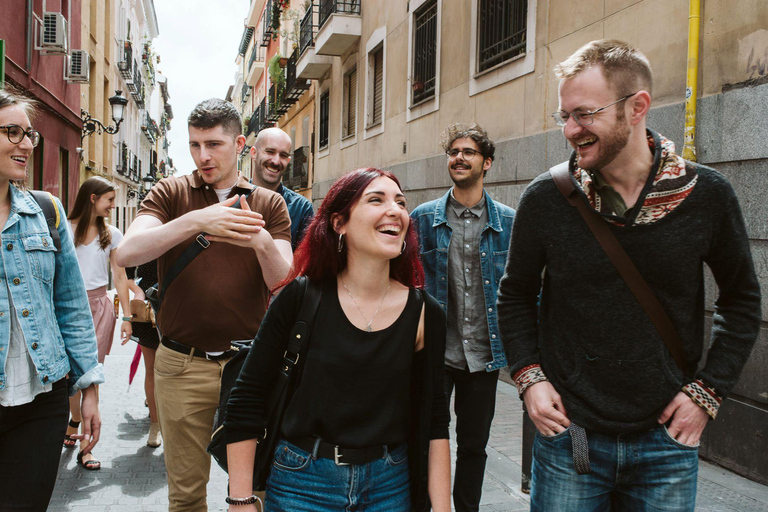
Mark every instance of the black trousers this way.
pixel 31 438
pixel 474 406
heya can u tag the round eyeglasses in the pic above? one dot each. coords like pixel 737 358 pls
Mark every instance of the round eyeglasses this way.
pixel 468 153
pixel 584 118
pixel 16 134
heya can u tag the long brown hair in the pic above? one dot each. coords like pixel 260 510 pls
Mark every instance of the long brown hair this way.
pixel 83 209
pixel 318 257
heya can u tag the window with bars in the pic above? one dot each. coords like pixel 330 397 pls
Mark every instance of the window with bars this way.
pixel 325 101
pixel 502 29
pixel 424 66
pixel 349 105
pixel 376 86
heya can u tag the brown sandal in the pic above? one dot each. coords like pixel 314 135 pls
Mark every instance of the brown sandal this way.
pixel 90 465
pixel 69 441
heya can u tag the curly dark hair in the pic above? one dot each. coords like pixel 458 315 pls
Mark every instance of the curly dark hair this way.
pixel 473 131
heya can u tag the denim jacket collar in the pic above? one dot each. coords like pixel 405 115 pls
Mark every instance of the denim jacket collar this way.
pixel 494 222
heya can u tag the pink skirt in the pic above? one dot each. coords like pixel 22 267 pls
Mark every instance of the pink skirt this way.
pixel 104 320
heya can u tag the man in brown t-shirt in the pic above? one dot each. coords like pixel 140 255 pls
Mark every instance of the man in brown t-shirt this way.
pixel 220 296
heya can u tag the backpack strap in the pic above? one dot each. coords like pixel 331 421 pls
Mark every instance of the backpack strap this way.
pixel 52 214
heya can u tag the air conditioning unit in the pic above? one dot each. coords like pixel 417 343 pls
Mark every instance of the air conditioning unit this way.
pixel 52 34
pixel 78 67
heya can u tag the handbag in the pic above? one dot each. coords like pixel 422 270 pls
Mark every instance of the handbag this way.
pixel 281 393
pixel 626 268
pixel 142 312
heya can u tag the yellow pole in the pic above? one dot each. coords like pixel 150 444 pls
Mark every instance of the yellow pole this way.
pixel 691 86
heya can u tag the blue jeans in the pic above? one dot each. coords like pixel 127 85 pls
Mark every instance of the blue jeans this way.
pixel 645 471
pixel 301 482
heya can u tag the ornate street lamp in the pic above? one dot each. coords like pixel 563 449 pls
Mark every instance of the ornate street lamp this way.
pixel 92 125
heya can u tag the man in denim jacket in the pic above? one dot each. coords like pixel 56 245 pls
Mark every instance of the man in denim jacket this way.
pixel 464 239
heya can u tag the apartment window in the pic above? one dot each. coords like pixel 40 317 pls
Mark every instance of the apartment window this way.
pixel 424 71
pixel 502 31
pixel 325 101
pixel 376 81
pixel 349 105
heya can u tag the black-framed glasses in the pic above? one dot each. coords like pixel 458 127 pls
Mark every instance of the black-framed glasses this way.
pixel 584 118
pixel 16 134
pixel 468 153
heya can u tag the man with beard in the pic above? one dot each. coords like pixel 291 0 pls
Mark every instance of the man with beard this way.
pixel 270 157
pixel 617 419
pixel 464 238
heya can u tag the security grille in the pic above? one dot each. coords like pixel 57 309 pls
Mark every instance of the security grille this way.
pixel 424 53
pixel 377 99
pixel 502 31
pixel 350 104
pixel 324 120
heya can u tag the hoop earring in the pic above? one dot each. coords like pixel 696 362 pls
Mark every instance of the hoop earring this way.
pixel 403 249
pixel 340 245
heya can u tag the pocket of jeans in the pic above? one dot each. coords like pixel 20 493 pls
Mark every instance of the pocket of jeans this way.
pixel 169 363
pixel 290 458
pixel 397 456
pixel 677 443
pixel 555 437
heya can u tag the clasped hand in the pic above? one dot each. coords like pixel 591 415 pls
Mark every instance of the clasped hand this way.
pixel 222 223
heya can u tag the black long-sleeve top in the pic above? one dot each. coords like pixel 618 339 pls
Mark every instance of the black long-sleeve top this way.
pixel 428 415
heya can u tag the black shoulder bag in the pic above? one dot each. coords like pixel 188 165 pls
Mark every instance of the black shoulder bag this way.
pixel 280 395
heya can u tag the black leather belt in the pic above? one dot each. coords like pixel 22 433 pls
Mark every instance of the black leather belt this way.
pixel 341 456
pixel 196 352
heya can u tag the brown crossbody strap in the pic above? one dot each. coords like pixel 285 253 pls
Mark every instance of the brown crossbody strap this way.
pixel 627 270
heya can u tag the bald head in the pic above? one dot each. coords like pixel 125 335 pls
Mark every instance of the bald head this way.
pixel 270 156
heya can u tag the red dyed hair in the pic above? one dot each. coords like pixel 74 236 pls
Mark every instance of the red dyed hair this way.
pixel 317 256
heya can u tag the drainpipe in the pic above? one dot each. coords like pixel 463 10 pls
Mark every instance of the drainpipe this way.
pixel 691 85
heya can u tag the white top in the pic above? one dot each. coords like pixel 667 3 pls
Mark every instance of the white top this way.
pixel 94 261
pixel 23 384
pixel 222 193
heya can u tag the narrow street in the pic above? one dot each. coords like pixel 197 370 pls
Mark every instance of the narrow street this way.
pixel 132 477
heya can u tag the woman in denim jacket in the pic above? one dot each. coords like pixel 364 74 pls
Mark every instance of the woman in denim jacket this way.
pixel 46 331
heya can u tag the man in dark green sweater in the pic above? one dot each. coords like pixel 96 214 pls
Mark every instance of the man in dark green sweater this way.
pixel 597 379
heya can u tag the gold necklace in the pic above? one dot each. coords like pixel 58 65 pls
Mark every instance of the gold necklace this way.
pixel 368 326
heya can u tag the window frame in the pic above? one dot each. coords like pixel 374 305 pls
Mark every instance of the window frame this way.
pixel 427 105
pixel 506 71
pixel 376 42
pixel 349 66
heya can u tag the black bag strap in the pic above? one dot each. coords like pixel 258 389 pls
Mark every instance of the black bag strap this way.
pixel 627 270
pixel 52 215
pixel 190 253
pixel 302 328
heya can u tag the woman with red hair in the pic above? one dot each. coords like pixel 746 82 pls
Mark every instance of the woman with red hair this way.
pixel 367 426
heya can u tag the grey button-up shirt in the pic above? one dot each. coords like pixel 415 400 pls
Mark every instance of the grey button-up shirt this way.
pixel 467 343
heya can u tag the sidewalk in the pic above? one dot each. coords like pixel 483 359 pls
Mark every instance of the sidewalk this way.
pixel 132 477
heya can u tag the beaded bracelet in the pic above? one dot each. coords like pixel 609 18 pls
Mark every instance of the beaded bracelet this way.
pixel 242 501
pixel 126 319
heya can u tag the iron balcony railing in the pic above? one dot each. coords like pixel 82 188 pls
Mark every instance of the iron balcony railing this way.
pixel 257 55
pixel 297 177
pixel 307 29
pixel 294 87
pixel 245 93
pixel 149 127
pixel 253 124
pixel 153 170
pixel 503 30
pixel 328 7
pixel 266 30
pixel 125 64
pixel 122 166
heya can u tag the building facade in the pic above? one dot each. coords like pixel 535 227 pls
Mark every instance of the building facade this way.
pixel 268 89
pixel 390 76
pixel 39 47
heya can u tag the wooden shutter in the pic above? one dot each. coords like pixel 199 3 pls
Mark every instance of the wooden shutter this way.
pixel 350 100
pixel 378 85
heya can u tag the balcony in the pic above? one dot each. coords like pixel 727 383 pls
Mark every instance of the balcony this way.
pixel 122 165
pixel 254 13
pixel 149 127
pixel 256 65
pixel 266 28
pixel 297 176
pixel 245 93
pixel 340 26
pixel 309 65
pixel 125 64
pixel 275 104
pixel 294 86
